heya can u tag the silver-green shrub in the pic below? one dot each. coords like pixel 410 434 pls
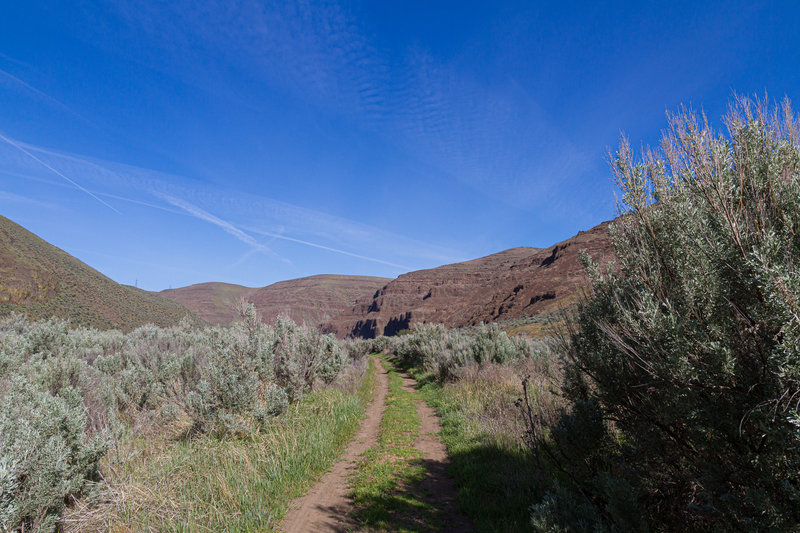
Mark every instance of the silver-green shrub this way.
pixel 46 457
pixel 492 345
pixel 446 352
pixel 228 384
pixel 64 391
pixel 302 355
pixel 686 367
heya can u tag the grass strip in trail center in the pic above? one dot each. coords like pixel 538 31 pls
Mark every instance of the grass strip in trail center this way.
pixel 383 486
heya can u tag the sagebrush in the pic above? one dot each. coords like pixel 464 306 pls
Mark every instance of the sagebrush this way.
pixel 68 395
pixel 684 373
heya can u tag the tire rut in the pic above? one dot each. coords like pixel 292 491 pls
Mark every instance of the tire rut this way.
pixel 437 488
pixel 327 507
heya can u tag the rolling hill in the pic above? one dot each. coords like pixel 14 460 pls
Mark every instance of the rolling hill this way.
pixel 313 300
pixel 520 282
pixel 41 280
pixel 214 302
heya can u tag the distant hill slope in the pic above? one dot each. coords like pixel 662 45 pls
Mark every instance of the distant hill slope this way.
pixel 515 283
pixel 40 280
pixel 214 302
pixel 312 300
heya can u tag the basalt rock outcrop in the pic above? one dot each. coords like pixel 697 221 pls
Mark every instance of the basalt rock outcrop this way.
pixel 510 284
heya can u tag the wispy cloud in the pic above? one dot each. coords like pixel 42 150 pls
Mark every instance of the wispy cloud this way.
pixel 494 139
pixel 11 197
pixel 13 60
pixel 240 215
pixel 19 83
pixel 226 226
pixel 329 249
pixel 22 149
pixel 23 86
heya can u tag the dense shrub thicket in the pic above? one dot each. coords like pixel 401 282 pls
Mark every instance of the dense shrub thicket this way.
pixel 66 395
pixel 684 377
pixel 447 352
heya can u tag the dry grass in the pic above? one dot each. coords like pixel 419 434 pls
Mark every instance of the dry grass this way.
pixel 488 393
pixel 169 483
pixel 546 325
pixel 42 281
pixel 483 431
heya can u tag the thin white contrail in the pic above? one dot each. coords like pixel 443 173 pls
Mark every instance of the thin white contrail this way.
pixel 225 225
pixel 329 249
pixel 36 91
pixel 185 208
pixel 56 172
pixel 46 97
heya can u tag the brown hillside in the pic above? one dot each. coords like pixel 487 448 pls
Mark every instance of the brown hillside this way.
pixel 214 302
pixel 40 280
pixel 312 300
pixel 510 284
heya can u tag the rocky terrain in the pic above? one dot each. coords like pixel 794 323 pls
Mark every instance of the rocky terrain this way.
pixel 313 300
pixel 41 280
pixel 510 284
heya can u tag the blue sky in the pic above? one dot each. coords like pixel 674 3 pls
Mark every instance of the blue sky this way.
pixel 170 143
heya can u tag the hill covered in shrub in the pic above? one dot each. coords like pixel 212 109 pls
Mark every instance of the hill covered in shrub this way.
pixel 43 281
pixel 311 300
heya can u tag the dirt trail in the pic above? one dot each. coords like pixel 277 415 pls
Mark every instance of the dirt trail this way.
pixel 326 507
pixel 437 489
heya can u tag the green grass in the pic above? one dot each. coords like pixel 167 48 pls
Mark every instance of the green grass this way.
pixel 383 487
pixel 494 474
pixel 230 484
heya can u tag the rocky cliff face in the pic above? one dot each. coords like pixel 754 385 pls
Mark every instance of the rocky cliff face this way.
pixel 510 284
pixel 313 300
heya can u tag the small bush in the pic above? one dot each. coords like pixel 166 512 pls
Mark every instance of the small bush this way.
pixel 302 355
pixel 445 353
pixel 46 456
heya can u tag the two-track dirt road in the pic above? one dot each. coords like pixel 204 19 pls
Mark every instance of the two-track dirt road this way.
pixel 327 507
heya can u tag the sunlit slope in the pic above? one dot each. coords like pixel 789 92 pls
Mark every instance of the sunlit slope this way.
pixel 509 287
pixel 41 280
pixel 214 302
